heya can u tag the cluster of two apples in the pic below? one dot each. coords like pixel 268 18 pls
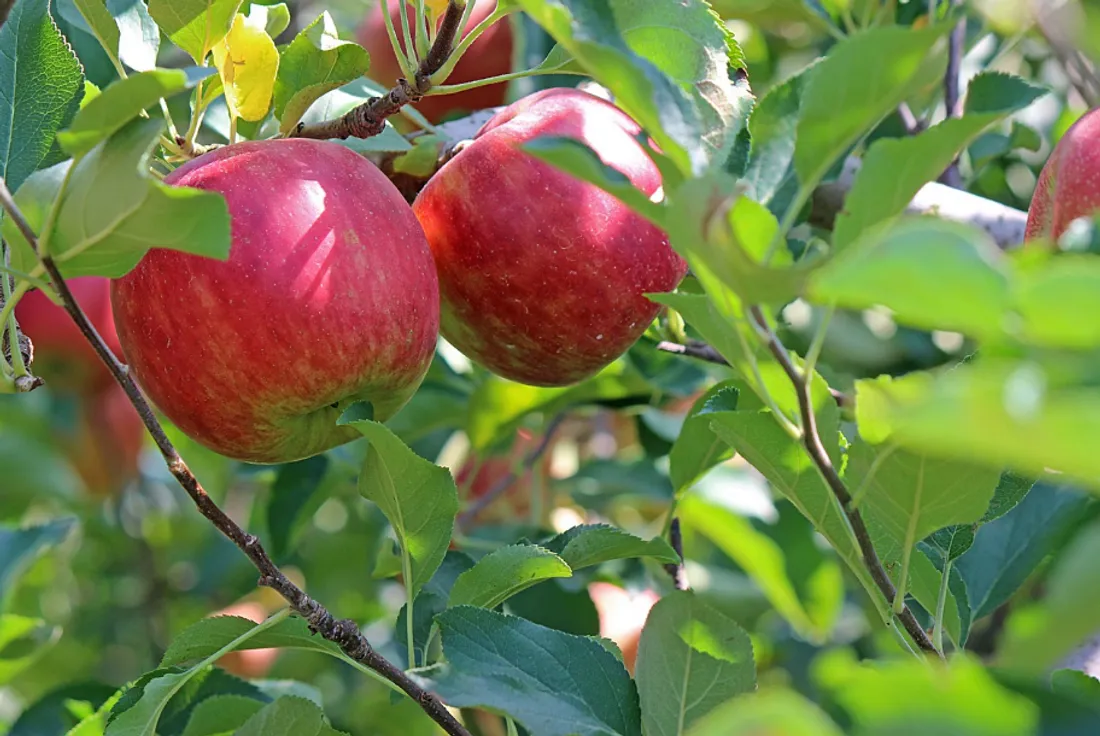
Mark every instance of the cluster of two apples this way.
pixel 336 290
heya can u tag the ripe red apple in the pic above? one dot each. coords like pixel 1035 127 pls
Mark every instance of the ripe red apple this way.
pixel 329 297
pixel 1069 184
pixel 542 276
pixel 106 446
pixel 489 56
pixel 480 478
pixel 622 616
pixel 63 357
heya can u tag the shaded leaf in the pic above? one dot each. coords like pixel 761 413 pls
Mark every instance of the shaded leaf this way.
pixel 504 572
pixel 591 544
pixel 697 449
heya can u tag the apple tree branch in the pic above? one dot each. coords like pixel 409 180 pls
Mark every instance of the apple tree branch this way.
pixel 343 632
pixel 369 119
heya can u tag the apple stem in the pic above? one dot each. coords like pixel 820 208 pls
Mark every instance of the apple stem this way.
pixel 344 633
pixel 811 440
pixel 369 119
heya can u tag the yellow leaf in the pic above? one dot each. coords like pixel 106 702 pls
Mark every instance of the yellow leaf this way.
pixel 247 61
pixel 436 7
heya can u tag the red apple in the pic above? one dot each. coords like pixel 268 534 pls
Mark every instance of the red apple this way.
pixel 63 357
pixel 622 616
pixel 1069 184
pixel 489 56
pixel 329 297
pixel 542 276
pixel 107 443
pixel 480 478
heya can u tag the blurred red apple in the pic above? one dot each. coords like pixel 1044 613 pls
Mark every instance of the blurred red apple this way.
pixel 480 478
pixel 248 663
pixel 489 56
pixel 542 276
pixel 622 616
pixel 1069 184
pixel 329 297
pixel 107 443
pixel 63 357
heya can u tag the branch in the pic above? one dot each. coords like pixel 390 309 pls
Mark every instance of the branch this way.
pixel 676 570
pixel 345 633
pixel 812 441
pixel 702 351
pixel 1004 224
pixel 369 119
pixel 471 512
pixel 956 44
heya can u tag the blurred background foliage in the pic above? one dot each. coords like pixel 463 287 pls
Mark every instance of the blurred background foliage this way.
pixel 142 564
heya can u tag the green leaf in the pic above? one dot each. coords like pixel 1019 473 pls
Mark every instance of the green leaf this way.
pixel 770 175
pixel 1038 635
pixel 124 29
pixel 863 78
pixel 418 498
pixel 552 683
pixel 1001 412
pixel 784 462
pixel 1011 490
pixel 286 717
pixel 1050 301
pixel 123 101
pixel 275 18
pixel 907 696
pixel 590 34
pixel 50 716
pixel 22 642
pixel 778 712
pixel 766 562
pixel 194 25
pixel 142 717
pixel 314 63
pixel 951 542
pixel 592 544
pixel 894 170
pixel 291 493
pixel 691 659
pixel 20 547
pixel 41 84
pixel 112 212
pixel 580 161
pixel 1008 550
pixel 220 715
pixel 209 635
pixel 697 449
pixel 504 572
pixel 905 497
pixel 899 266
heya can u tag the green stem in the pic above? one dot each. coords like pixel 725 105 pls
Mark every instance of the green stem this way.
pixel 402 60
pixel 36 282
pixel 941 603
pixel 407 573
pixel 903 580
pixel 464 45
pixel 11 300
pixel 422 42
pixel 19 367
pixel 792 429
pixel 511 727
pixel 409 43
pixel 880 458
pixel 232 129
pixel 173 133
pixel 818 341
pixel 447 89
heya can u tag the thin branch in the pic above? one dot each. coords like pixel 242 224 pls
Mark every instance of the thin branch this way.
pixel 369 119
pixel 913 125
pixel 702 351
pixel 812 441
pixel 955 48
pixel 345 633
pixel 676 569
pixel 471 512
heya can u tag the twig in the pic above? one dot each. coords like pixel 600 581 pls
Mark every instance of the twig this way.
pixel 676 569
pixel 345 633
pixel 471 512
pixel 702 351
pixel 369 119
pixel 956 45
pixel 912 124
pixel 22 344
pixel 812 441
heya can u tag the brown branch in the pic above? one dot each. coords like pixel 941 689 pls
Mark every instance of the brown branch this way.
pixel 345 633
pixel 369 119
pixel 702 351
pixel 471 512
pixel 955 47
pixel 812 441
pixel 676 569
